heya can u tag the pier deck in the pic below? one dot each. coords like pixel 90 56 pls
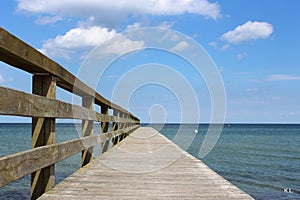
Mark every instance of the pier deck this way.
pixel 146 165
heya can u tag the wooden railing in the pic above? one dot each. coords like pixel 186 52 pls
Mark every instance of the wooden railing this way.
pixel 43 108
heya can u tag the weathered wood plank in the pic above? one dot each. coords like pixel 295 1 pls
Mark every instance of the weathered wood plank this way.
pixel 115 127
pixel 145 165
pixel 18 165
pixel 17 53
pixel 43 133
pixel 104 128
pixel 30 105
pixel 87 130
pixel 122 125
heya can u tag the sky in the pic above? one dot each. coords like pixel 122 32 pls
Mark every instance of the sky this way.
pixel 253 46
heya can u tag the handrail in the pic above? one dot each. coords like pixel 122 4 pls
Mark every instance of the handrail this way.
pixel 50 108
pixel 43 107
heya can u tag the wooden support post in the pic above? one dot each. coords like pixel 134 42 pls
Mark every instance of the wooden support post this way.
pixel 115 127
pixel 126 126
pixel 120 126
pixel 43 133
pixel 123 124
pixel 87 130
pixel 104 127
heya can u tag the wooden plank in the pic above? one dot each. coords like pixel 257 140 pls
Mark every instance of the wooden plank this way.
pixel 87 130
pixel 145 165
pixel 43 133
pixel 104 128
pixel 30 105
pixel 115 127
pixel 21 164
pixel 17 53
pixel 123 125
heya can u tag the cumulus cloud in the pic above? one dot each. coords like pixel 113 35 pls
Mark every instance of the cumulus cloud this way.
pixel 180 46
pixel 120 45
pixel 282 77
pixel 76 39
pixel 81 38
pixel 116 11
pixel 248 31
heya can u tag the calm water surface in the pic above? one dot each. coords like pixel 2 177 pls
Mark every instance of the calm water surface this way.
pixel 262 160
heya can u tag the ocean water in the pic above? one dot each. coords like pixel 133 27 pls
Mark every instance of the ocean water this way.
pixel 262 160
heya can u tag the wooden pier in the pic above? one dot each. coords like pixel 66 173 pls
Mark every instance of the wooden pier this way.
pixel 137 163
pixel 145 165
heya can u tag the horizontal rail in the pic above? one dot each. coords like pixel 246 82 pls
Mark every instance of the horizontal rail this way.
pixel 30 105
pixel 21 164
pixel 17 53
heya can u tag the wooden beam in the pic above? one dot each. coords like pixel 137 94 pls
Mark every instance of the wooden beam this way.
pixel 104 127
pixel 115 127
pixel 87 130
pixel 43 133
pixel 30 105
pixel 122 124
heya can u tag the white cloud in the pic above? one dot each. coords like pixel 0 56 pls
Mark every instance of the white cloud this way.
pixel 180 46
pixel 90 21
pixel 222 69
pixel 282 77
pixel 241 56
pixel 213 44
pixel 248 31
pixel 133 26
pixel 2 80
pixel 79 39
pixel 170 36
pixel 47 20
pixel 112 12
pixel 225 47
pixel 166 24
pixel 120 45
pixel 76 39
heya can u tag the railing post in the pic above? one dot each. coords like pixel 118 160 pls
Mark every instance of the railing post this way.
pixel 43 133
pixel 115 127
pixel 123 125
pixel 104 127
pixel 126 125
pixel 87 130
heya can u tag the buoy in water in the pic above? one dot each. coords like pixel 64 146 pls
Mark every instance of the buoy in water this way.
pixel 196 131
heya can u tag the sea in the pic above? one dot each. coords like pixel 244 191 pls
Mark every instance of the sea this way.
pixel 261 159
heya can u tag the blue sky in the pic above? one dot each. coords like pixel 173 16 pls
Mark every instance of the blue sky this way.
pixel 254 44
